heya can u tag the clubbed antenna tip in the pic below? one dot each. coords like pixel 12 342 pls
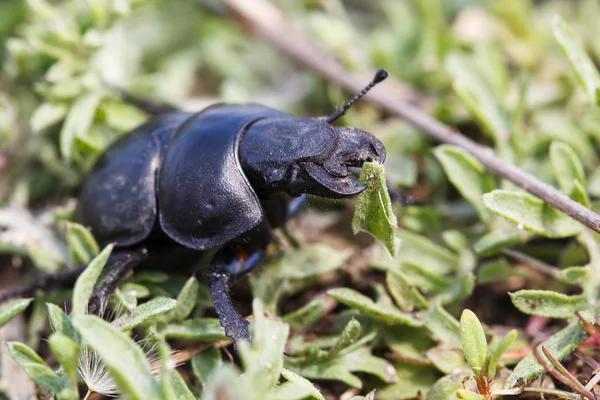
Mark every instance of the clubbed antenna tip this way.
pixel 380 75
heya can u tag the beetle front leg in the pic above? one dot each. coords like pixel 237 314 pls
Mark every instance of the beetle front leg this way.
pixel 224 267
pixel 117 268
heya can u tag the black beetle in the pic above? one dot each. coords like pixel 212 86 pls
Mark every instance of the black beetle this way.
pixel 185 183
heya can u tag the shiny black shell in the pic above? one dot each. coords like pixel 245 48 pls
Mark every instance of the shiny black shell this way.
pixel 180 173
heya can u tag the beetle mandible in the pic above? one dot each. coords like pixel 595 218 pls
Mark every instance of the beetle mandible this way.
pixel 185 183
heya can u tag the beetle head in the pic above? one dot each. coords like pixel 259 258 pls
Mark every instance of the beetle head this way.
pixel 308 155
pixel 329 175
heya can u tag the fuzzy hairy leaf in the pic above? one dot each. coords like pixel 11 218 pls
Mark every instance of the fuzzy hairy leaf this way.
pixel 186 301
pixel 531 213
pixel 37 369
pixel 504 344
pixel 306 315
pixel 149 311
pixel 84 286
pixel 302 384
pixel 263 361
pixel 82 243
pixel 205 363
pixel 66 352
pixel 374 212
pixel 378 311
pixel 477 95
pixel 582 65
pixel 10 310
pixel 207 329
pixel 560 344
pixel 474 342
pixel 443 326
pixel 546 303
pixel 418 250
pixel 566 165
pixel 61 322
pixel 78 121
pixel 468 176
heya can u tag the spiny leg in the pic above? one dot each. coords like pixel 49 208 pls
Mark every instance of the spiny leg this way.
pixel 116 269
pixel 224 267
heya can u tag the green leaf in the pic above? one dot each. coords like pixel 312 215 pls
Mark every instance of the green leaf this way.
pixel 575 275
pixel 302 383
pixel 500 349
pixel 263 361
pixel 349 335
pixel 82 243
pixel 582 65
pixel 37 369
pixel 407 297
pixel 124 360
pixel 447 359
pixel 66 352
pixel 379 312
pixel 147 312
pixel 173 385
pixel 566 165
pixel 294 271
pixel 306 315
pixel 443 326
pixel 205 329
pixel 531 213
pixel 413 381
pixel 560 344
pixel 177 387
pixel 10 310
pixel 84 286
pixel 474 342
pixel 186 301
pixel 445 388
pixel 60 322
pixel 494 241
pixel 374 212
pixel 78 121
pixel 342 366
pixel 478 96
pixel 468 175
pixel 205 363
pixel 46 115
pixel 418 250
pixel 546 303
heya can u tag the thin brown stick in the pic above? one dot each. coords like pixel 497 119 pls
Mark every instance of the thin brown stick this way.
pixel 262 18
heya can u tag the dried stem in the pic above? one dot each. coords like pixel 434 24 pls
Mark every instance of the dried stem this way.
pixel 262 18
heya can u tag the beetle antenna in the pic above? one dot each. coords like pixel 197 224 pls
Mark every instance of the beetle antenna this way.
pixel 380 75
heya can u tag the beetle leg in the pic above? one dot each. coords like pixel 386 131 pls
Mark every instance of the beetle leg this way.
pixel 117 269
pixel 221 272
pixel 296 205
pixel 293 209
pixel 60 278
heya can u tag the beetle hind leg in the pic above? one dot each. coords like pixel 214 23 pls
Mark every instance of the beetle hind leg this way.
pixel 118 267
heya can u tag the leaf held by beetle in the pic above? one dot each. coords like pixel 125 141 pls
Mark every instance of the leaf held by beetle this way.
pixel 374 212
